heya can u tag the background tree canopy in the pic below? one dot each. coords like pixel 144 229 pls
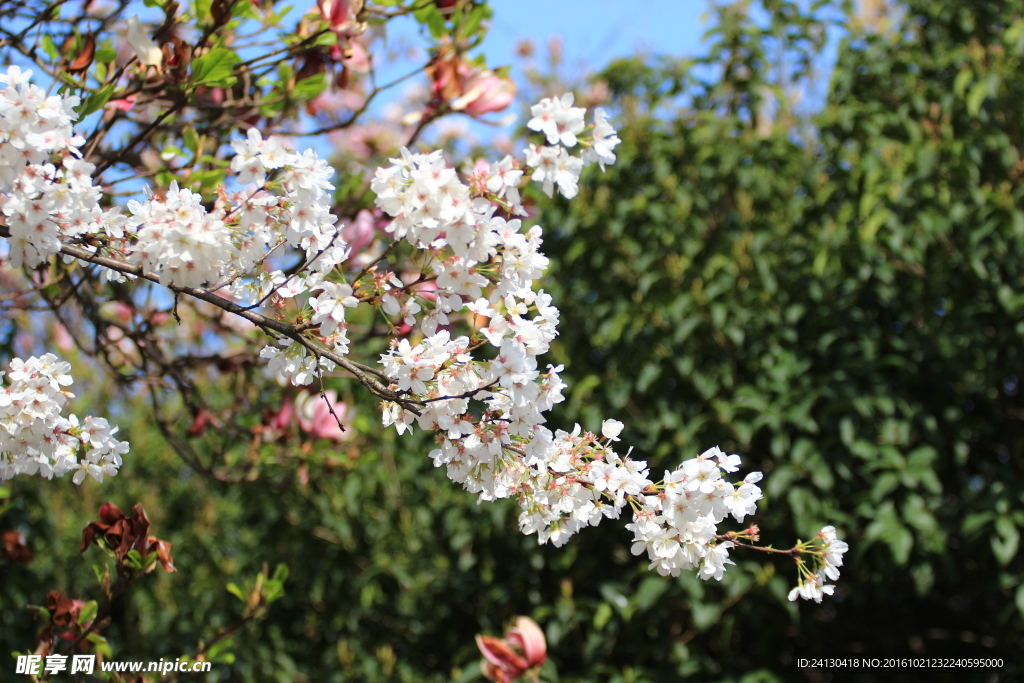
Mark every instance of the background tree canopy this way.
pixel 838 298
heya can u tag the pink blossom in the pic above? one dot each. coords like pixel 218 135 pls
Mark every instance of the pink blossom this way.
pixel 360 233
pixel 282 419
pixel 523 650
pixel 124 104
pixel 484 92
pixel 315 417
pixel 472 90
pixel 338 13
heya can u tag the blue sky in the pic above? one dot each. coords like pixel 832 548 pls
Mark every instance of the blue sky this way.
pixel 592 33
pixel 595 31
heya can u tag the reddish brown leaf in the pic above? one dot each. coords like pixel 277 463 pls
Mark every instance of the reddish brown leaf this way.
pixel 63 610
pixel 85 56
pixel 15 548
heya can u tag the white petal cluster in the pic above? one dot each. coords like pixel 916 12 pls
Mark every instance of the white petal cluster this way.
pixel 290 361
pixel 329 307
pixel 47 196
pixel 561 123
pixel 36 439
pixel 490 413
pixel 558 120
pixel 829 558
pixel 178 239
pixel 46 190
pixel 555 166
pixel 678 526
pixel 507 451
pixel 503 181
pixel 812 588
pixel 604 142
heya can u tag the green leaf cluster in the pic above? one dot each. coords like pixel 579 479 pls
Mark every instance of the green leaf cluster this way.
pixel 839 297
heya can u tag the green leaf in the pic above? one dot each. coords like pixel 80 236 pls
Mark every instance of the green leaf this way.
pixel 614 596
pixel 1007 541
pixel 960 82
pixel 871 226
pixel 50 48
pixel 901 541
pixel 432 18
pixel 976 97
pixel 237 592
pixel 95 101
pixel 916 513
pixel 219 649
pixel 924 578
pixel 88 612
pixel 215 68
pixel 326 39
pixel 309 88
pixel 102 572
pixel 704 615
pixel 202 10
pixel 602 616
pixel 105 55
pixel 134 559
pixel 208 178
pixel 191 139
pixel 100 644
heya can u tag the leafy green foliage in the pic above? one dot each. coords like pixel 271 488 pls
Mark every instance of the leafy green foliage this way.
pixel 838 301
pixel 214 68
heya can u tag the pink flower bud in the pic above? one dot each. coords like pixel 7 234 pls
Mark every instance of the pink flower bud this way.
pixel 336 12
pixel 472 90
pixel 484 92
pixel 522 650
pixel 531 639
pixel 501 663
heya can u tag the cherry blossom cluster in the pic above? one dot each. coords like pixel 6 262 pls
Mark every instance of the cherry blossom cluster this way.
pixel 47 196
pixel 489 412
pixel 677 526
pixel 561 123
pixel 272 237
pixel 46 189
pixel 174 235
pixel 36 439
pixel 827 552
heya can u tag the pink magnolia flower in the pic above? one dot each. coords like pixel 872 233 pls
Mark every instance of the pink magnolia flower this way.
pixel 62 339
pixel 472 90
pixel 360 233
pixel 124 104
pixel 315 417
pixel 522 651
pixel 276 425
pixel 339 13
pixel 484 91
